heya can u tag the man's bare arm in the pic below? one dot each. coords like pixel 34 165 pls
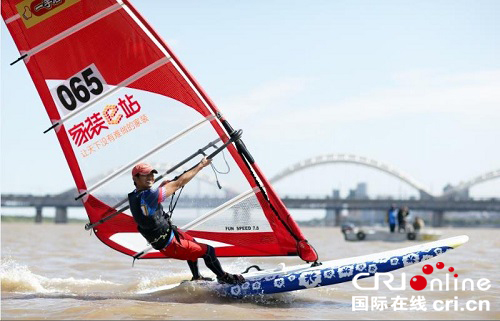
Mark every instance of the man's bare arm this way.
pixel 172 186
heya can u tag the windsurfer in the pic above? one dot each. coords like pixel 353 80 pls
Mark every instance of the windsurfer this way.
pixel 156 227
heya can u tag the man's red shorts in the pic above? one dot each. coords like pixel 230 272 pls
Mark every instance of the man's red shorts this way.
pixel 186 249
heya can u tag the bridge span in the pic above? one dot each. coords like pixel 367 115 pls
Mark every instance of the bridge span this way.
pixel 438 206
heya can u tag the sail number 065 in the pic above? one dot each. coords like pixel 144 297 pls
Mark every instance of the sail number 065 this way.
pixel 80 88
pixel 79 91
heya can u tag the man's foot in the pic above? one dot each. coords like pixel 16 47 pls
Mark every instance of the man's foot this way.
pixel 201 278
pixel 231 278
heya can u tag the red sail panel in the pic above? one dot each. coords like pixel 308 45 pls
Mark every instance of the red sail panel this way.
pixel 101 72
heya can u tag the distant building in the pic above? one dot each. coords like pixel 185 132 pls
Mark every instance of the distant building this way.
pixel 460 195
pixel 360 193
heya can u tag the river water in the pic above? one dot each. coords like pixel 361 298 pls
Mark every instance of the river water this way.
pixel 53 271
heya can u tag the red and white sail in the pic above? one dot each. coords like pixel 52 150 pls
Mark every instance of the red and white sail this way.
pixel 115 95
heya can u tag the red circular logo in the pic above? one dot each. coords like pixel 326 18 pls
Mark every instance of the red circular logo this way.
pixel 418 283
pixel 427 269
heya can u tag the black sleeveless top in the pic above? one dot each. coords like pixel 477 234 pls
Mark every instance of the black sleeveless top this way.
pixel 152 221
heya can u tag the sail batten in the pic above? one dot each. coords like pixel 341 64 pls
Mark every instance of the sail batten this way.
pixel 122 92
pixel 12 18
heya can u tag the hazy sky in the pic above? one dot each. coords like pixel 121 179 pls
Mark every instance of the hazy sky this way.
pixel 415 85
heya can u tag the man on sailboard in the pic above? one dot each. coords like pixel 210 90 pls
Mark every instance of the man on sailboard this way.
pixel 155 225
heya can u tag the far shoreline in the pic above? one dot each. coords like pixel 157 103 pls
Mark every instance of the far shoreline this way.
pixel 8 219
pixel 29 219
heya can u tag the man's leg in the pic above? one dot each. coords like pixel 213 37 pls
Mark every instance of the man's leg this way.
pixel 193 266
pixel 213 264
pixel 190 250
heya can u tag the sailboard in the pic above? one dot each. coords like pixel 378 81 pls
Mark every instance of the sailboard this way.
pixel 300 277
pixel 116 95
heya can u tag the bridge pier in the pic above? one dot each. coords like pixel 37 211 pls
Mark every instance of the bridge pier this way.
pixel 38 215
pixel 332 217
pixel 437 218
pixel 61 215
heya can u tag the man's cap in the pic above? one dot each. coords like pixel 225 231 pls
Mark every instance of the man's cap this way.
pixel 143 169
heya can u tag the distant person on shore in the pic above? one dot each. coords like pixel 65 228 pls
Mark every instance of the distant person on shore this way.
pixel 418 223
pixel 392 214
pixel 402 214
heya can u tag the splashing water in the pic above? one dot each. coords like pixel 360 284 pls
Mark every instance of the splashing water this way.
pixel 17 278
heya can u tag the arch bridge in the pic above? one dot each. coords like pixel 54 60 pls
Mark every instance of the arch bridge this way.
pixel 65 199
pixel 426 196
pixel 468 184
pixel 353 159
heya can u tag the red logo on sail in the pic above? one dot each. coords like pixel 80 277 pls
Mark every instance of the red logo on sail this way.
pixel 94 124
pixel 41 7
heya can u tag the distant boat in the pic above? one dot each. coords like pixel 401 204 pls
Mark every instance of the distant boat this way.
pixel 355 233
